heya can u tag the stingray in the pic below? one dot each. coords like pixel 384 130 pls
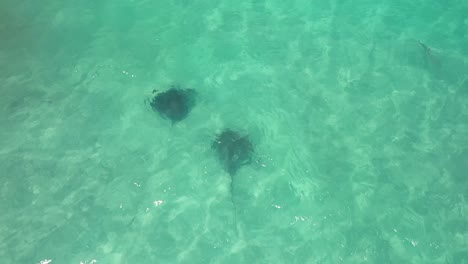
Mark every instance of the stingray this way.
pixel 174 104
pixel 234 151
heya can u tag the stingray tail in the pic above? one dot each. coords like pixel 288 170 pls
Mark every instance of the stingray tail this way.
pixel 233 203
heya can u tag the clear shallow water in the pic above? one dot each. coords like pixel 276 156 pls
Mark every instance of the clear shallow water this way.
pixel 361 132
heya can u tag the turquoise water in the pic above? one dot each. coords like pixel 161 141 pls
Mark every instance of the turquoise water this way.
pixel 358 111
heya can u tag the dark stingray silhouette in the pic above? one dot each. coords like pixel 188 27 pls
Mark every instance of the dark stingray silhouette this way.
pixel 233 149
pixel 174 104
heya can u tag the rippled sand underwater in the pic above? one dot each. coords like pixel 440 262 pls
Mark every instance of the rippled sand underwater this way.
pixel 357 113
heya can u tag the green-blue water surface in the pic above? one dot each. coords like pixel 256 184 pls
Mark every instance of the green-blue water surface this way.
pixel 358 112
